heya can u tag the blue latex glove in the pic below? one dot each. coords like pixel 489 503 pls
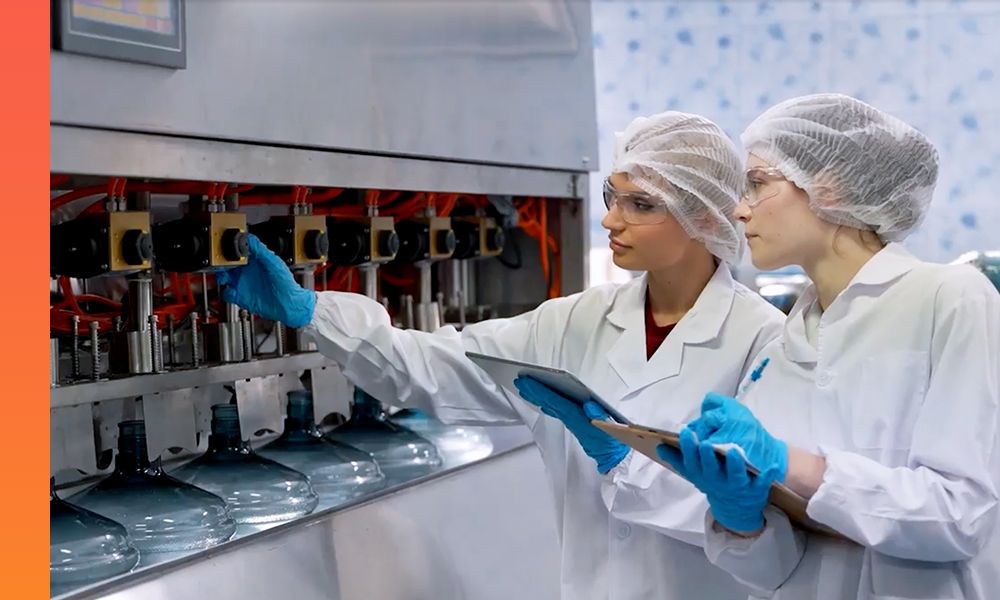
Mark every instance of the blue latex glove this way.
pixel 604 449
pixel 736 498
pixel 726 420
pixel 265 287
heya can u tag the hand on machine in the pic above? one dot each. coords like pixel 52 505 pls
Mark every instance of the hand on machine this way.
pixel 265 286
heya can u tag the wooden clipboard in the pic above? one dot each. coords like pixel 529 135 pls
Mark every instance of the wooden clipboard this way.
pixel 645 440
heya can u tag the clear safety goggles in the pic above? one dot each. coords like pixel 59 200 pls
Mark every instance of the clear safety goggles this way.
pixel 637 208
pixel 760 185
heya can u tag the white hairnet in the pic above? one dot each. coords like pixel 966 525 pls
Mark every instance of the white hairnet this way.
pixel 688 162
pixel 861 167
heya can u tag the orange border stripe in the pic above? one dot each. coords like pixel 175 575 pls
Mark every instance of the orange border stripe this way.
pixel 23 304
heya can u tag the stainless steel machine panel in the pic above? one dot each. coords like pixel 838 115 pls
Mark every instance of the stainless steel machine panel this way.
pixel 489 81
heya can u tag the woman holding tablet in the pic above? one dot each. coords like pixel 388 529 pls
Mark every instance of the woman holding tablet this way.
pixel 647 347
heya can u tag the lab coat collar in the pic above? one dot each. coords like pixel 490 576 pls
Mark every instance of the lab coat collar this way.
pixel 703 323
pixel 793 339
pixel 887 265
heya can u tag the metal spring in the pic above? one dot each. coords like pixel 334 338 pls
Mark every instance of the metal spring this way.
pixel 156 343
pixel 195 341
pixel 247 341
pixel 75 351
pixel 95 352
pixel 279 338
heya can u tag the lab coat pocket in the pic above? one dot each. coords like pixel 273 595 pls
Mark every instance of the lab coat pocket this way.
pixel 900 579
pixel 887 396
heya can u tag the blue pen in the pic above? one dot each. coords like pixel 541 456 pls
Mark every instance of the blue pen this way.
pixel 755 375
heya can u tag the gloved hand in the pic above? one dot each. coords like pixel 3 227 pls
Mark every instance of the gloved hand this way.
pixel 726 420
pixel 604 449
pixel 265 287
pixel 736 498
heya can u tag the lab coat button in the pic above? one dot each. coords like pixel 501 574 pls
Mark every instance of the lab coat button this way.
pixel 824 378
pixel 624 530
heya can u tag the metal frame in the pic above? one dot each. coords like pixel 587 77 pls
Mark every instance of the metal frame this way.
pixel 88 151
pixel 140 385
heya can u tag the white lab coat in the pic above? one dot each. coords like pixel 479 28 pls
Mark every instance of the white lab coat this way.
pixel 900 393
pixel 599 335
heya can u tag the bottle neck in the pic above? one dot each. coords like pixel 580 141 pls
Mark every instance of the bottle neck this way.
pixel 227 442
pixel 366 407
pixel 226 433
pixel 299 430
pixel 132 453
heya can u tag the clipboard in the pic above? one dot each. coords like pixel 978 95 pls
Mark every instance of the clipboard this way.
pixel 504 371
pixel 646 439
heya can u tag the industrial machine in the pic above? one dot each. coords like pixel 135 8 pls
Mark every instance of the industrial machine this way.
pixel 431 156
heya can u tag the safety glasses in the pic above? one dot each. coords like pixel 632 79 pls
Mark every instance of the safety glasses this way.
pixel 760 185
pixel 637 208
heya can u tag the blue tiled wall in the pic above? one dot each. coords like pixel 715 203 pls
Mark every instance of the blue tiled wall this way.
pixel 935 64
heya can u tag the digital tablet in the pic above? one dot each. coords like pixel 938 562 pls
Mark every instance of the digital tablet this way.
pixel 504 371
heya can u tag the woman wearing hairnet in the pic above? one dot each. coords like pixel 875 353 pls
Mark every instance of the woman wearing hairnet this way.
pixel 879 403
pixel 670 205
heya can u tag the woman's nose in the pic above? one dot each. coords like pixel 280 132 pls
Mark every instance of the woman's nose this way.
pixel 612 220
pixel 742 211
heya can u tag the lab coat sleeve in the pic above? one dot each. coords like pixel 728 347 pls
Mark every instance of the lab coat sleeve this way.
pixel 640 491
pixel 430 370
pixel 942 504
pixel 762 563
